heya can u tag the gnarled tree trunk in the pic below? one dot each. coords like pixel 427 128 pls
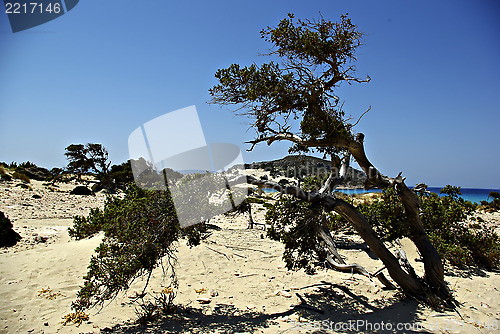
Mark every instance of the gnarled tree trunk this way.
pixel 408 281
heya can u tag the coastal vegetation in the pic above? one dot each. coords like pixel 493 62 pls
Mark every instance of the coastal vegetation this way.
pixel 494 204
pixel 460 243
pixel 139 230
pixel 294 99
pixel 8 237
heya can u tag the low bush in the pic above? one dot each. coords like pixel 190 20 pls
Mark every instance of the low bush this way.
pixel 21 176
pixel 27 164
pixel 444 220
pixel 295 224
pixel 81 190
pixel 8 237
pixel 494 205
pixel 120 175
pixel 85 227
pixel 55 175
pixel 139 232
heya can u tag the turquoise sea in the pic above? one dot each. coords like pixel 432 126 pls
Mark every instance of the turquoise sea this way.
pixel 469 194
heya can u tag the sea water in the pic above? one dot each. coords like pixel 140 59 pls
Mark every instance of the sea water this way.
pixel 474 195
pixel 469 194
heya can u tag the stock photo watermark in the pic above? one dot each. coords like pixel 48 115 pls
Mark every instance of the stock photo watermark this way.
pixel 26 14
pixel 363 325
pixel 174 144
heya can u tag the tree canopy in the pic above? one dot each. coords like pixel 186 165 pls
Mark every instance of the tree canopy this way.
pixel 87 158
pixel 294 98
pixel 316 57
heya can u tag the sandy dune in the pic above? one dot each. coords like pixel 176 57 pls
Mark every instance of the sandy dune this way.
pixel 240 271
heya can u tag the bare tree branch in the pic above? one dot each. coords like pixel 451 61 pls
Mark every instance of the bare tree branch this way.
pixel 359 119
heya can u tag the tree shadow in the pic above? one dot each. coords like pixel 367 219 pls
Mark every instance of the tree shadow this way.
pixel 347 312
pixel 348 243
pixel 468 272
pixel 340 306
pixel 224 318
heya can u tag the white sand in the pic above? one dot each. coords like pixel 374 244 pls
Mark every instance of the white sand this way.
pixel 254 290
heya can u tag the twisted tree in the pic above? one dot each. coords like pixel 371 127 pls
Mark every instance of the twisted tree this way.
pixel 292 98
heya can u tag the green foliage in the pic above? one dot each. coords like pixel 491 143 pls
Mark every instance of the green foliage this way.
pixel 86 227
pixel 8 237
pixel 118 177
pixel 139 230
pixel 98 158
pixel 32 171
pixel 494 205
pixel 315 42
pixel 443 218
pixel 313 182
pixel 21 176
pixel 147 176
pixel 316 57
pixel 121 175
pixel 295 223
pixel 56 174
pixel 27 164
pixel 456 241
pixel 207 197
pixel 87 158
pixel 78 162
pixel 452 191
pixel 5 177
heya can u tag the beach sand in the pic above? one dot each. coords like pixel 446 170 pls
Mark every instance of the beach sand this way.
pixel 239 270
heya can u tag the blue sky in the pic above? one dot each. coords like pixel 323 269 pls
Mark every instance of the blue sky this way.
pixel 100 71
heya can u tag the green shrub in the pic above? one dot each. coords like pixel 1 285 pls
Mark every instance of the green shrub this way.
pixel 494 205
pixel 55 175
pixel 313 182
pixel 139 232
pixel 2 171
pixel 85 227
pixel 27 164
pixel 295 223
pixel 121 175
pixel 8 237
pixel 443 218
pixel 21 176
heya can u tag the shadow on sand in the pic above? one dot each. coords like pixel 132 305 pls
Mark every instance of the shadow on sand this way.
pixel 338 303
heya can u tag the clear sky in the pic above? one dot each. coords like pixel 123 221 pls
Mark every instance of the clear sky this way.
pixel 100 71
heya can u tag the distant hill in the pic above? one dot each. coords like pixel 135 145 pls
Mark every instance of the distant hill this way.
pixel 298 166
